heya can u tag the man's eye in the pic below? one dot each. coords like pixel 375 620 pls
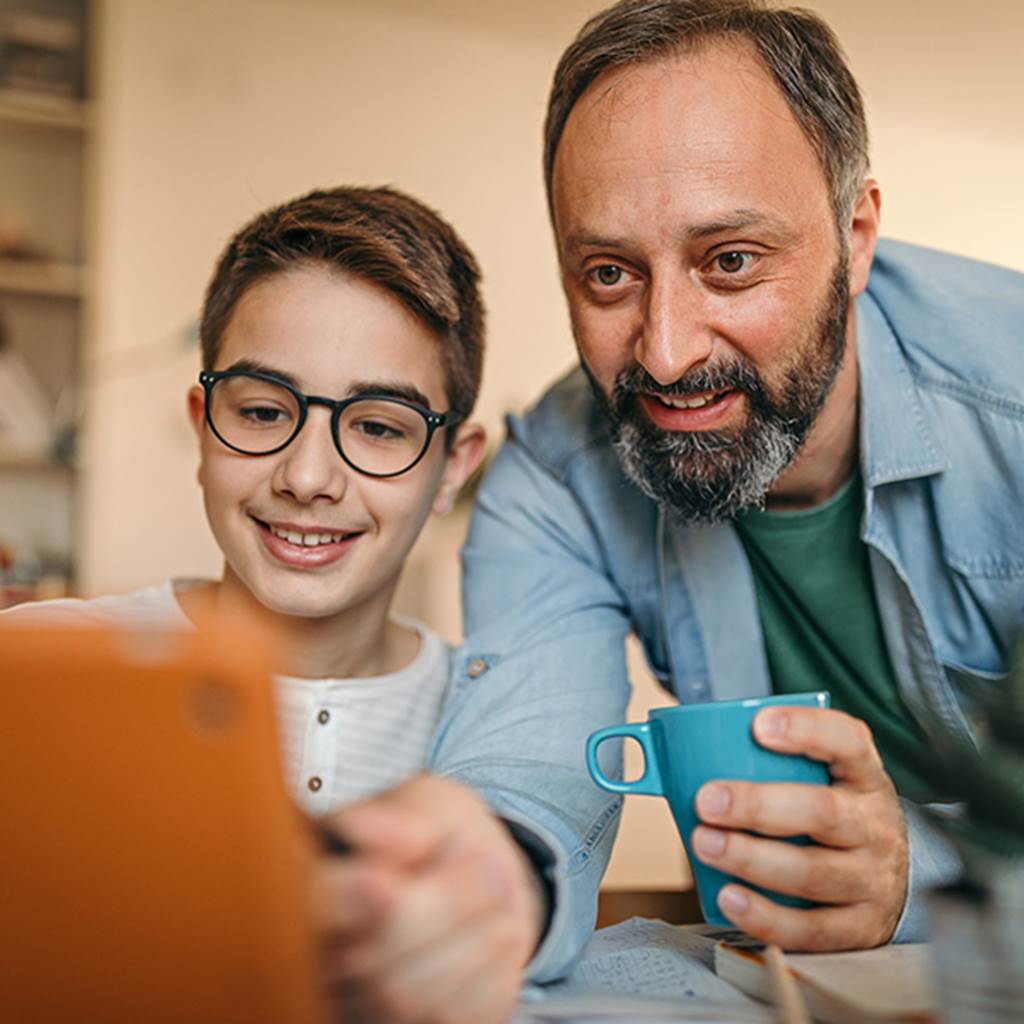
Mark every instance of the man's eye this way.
pixel 733 262
pixel 608 275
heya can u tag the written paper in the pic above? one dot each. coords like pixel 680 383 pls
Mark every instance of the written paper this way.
pixel 643 970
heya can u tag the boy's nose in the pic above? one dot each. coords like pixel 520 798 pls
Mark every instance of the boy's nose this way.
pixel 310 468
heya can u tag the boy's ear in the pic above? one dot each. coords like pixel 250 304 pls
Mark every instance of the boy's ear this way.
pixel 196 409
pixel 465 456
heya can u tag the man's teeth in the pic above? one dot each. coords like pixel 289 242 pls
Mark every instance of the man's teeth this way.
pixel 307 540
pixel 690 402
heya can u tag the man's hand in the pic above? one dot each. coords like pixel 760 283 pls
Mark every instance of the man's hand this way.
pixel 860 867
pixel 433 916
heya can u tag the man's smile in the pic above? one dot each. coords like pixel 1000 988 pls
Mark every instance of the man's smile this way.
pixel 706 410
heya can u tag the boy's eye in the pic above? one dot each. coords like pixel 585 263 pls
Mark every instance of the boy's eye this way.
pixel 378 431
pixel 262 414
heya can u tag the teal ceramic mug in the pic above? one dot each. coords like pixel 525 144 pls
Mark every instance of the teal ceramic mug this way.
pixel 686 746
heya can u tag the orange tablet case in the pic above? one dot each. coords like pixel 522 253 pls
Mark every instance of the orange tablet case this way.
pixel 152 866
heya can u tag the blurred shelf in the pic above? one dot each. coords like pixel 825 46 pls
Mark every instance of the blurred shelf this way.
pixel 37 277
pixel 35 463
pixel 19 106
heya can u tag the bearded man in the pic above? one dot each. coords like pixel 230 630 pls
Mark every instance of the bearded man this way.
pixel 789 461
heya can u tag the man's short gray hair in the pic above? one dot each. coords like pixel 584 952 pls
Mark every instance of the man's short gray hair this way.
pixel 797 47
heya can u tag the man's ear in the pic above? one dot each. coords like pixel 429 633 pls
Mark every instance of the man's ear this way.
pixel 864 225
pixel 462 460
pixel 197 410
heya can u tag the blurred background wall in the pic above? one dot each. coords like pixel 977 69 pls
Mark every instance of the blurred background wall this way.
pixel 206 111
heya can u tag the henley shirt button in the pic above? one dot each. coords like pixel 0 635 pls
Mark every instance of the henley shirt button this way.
pixel 476 668
pixel 315 783
pixel 323 717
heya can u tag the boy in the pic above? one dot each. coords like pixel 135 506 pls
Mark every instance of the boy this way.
pixel 367 297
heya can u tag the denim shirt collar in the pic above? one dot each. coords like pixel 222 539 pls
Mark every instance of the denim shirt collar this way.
pixel 898 439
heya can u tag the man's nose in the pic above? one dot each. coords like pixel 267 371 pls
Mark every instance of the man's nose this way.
pixel 676 335
pixel 310 468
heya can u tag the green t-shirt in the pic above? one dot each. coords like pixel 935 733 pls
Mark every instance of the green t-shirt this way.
pixel 821 626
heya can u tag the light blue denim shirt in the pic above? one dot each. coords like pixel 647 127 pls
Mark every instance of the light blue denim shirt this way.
pixel 565 557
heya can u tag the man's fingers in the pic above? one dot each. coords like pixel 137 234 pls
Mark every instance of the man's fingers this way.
pixel 816 930
pixel 350 895
pixel 414 823
pixel 378 829
pixel 810 872
pixel 827 814
pixel 841 741
pixel 427 908
pixel 470 974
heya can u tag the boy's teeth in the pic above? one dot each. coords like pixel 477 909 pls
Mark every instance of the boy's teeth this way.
pixel 307 540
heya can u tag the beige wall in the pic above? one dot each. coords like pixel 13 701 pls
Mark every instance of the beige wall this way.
pixel 212 109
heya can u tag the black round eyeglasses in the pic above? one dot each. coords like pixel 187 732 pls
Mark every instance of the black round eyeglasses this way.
pixel 259 414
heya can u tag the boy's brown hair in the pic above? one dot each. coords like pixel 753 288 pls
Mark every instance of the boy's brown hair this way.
pixel 380 235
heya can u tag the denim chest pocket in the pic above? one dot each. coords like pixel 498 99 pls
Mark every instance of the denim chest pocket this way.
pixel 978 511
pixel 972 688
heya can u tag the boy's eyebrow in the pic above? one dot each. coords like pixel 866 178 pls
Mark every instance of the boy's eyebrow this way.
pixel 389 389
pixel 255 366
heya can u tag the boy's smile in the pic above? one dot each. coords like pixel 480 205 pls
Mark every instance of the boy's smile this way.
pixel 306 546
pixel 302 531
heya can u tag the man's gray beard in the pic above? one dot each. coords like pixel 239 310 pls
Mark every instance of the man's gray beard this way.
pixel 705 477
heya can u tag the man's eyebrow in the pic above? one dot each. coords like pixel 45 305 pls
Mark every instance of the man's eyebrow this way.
pixel 735 221
pixel 575 242
pixel 738 220
pixel 389 389
pixel 255 366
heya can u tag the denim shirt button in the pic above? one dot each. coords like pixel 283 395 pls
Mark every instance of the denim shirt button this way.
pixel 476 668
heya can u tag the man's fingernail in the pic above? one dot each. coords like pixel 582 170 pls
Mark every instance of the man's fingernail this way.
pixel 713 799
pixel 733 902
pixel 773 723
pixel 709 842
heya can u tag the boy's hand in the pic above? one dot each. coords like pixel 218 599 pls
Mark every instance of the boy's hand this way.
pixel 858 870
pixel 434 914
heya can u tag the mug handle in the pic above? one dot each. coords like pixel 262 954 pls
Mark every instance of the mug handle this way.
pixel 649 782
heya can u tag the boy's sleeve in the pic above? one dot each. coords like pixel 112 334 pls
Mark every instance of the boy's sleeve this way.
pixel 542 667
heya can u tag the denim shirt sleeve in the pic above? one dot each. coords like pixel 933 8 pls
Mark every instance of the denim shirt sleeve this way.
pixel 933 862
pixel 542 667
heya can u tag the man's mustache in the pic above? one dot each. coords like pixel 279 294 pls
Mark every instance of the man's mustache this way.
pixel 733 375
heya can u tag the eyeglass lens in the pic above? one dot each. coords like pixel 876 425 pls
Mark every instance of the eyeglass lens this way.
pixel 257 416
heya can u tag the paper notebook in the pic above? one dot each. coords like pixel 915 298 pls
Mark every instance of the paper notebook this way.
pixel 888 985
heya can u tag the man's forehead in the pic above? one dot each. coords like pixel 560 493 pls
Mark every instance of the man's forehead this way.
pixel 720 78
pixel 711 129
pixel 620 89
